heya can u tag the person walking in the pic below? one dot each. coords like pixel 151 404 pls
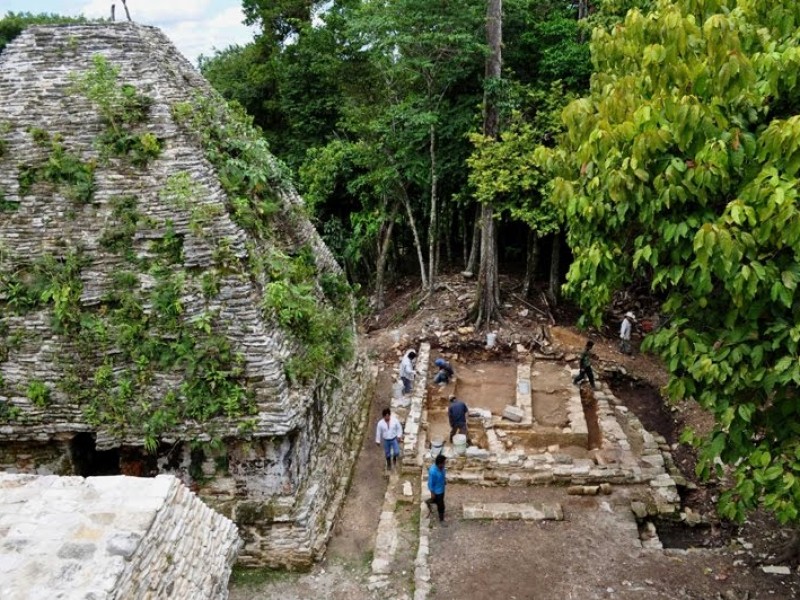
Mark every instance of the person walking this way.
pixel 445 371
pixel 436 484
pixel 390 433
pixel 407 370
pixel 457 415
pixel 586 366
pixel 625 333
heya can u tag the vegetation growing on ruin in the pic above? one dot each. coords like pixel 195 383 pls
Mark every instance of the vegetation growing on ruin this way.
pixel 7 205
pixel 248 172
pixel 117 237
pixel 4 129
pixel 38 393
pixel 324 329
pixel 129 344
pixel 61 168
pixel 12 24
pixel 123 111
pixel 315 308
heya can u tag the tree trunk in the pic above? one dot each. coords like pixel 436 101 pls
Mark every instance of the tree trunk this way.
pixel 380 264
pixel 462 218
pixel 413 224
pixel 555 267
pixel 531 264
pixel 476 240
pixel 433 236
pixel 448 236
pixel 583 9
pixel 487 302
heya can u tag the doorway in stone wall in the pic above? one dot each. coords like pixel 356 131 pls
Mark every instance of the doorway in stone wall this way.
pixel 88 461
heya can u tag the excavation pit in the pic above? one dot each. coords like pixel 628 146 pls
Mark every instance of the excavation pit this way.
pixel 546 403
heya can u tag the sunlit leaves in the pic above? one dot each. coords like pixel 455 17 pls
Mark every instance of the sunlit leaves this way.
pixel 692 133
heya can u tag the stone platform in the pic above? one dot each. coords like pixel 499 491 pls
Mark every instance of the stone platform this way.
pixel 110 538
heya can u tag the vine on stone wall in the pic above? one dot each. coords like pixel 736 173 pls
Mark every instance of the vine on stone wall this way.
pixel 123 110
pixel 4 129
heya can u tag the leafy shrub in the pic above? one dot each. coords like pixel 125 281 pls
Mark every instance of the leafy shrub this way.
pixel 61 168
pixel 122 109
pixel 38 393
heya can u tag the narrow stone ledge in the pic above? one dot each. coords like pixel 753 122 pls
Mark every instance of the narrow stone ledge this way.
pixel 513 512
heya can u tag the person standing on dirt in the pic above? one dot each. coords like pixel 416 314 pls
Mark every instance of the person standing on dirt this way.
pixel 457 415
pixel 436 484
pixel 390 433
pixel 625 333
pixel 407 370
pixel 586 366
pixel 445 371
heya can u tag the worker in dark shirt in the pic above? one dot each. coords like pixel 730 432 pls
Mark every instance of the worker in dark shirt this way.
pixel 586 366
pixel 445 371
pixel 457 415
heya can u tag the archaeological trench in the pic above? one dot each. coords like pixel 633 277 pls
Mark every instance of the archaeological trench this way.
pixel 167 307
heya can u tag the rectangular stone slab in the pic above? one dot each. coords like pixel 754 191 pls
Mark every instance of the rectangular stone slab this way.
pixel 515 512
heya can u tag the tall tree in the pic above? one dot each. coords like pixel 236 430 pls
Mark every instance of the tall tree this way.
pixel 681 168
pixel 486 307
pixel 423 50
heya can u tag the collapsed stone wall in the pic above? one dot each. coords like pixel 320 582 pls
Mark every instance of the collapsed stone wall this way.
pixel 276 451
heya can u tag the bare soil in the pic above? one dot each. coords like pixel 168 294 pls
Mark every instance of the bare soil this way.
pixel 594 552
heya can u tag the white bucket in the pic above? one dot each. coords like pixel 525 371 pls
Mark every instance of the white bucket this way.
pixel 460 444
pixel 397 389
pixel 491 338
pixel 437 447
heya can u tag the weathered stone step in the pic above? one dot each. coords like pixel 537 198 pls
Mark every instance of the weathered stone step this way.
pixel 509 511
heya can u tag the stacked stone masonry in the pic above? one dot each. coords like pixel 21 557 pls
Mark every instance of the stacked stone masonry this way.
pixel 111 538
pixel 282 474
pixel 614 463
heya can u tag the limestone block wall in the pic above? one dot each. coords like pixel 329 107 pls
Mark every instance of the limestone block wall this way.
pixel 36 458
pixel 283 492
pixel 111 538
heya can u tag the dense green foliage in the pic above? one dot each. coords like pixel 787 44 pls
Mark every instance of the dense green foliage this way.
pixel 372 104
pixel 681 169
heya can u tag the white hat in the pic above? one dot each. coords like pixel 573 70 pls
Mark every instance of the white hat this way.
pixel 630 315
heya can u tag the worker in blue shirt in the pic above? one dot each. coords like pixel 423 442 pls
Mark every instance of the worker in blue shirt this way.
pixel 445 371
pixel 436 484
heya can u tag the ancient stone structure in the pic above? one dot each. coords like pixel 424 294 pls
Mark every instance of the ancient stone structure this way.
pixel 166 306
pixel 111 538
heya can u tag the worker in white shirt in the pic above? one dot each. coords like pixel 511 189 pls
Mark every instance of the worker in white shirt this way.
pixel 407 370
pixel 390 433
pixel 625 333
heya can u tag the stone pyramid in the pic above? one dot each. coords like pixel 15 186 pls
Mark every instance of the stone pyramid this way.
pixel 167 306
